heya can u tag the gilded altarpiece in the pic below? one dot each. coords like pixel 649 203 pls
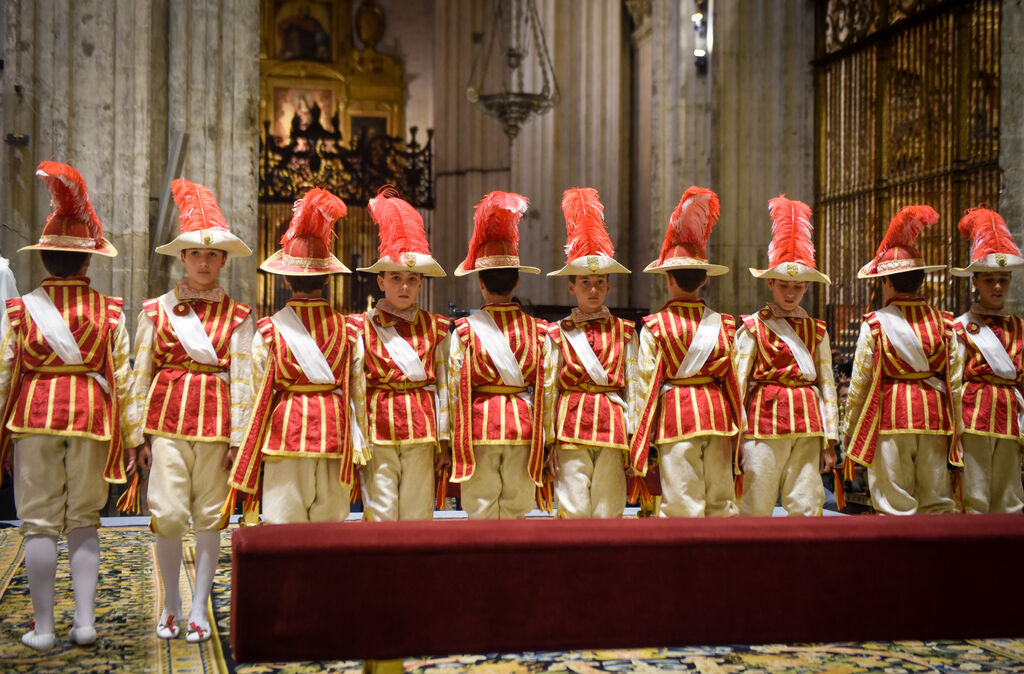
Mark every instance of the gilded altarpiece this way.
pixel 331 116
pixel 907 112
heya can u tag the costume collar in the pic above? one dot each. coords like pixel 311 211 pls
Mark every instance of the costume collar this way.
pixel 502 306
pixel 186 293
pixel 577 316
pixel 779 312
pixel 68 281
pixel 305 301
pixel 979 310
pixel 407 315
pixel 905 299
pixel 684 303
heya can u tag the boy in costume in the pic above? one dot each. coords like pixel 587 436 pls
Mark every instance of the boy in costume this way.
pixel 64 385
pixel 590 372
pixel 783 364
pixel 496 374
pixel 193 384
pixel 689 403
pixel 405 370
pixel 904 391
pixel 308 365
pixel 990 343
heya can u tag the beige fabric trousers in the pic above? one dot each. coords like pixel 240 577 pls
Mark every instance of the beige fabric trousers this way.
pixel 696 478
pixel 58 483
pixel 186 480
pixel 303 489
pixel 782 465
pixel 591 483
pixel 909 475
pixel 501 488
pixel 398 482
pixel 991 481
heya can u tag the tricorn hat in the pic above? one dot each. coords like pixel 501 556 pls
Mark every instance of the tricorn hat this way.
pixel 495 240
pixel 993 248
pixel 403 239
pixel 72 225
pixel 791 252
pixel 202 224
pixel 689 228
pixel 306 244
pixel 588 248
pixel 898 251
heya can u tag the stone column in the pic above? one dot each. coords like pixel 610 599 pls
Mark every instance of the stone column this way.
pixel 763 126
pixel 582 142
pixel 642 223
pixel 76 82
pixel 471 150
pixel 213 96
pixel 1011 129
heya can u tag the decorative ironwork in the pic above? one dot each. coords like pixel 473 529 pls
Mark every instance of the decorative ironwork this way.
pixel 515 25
pixel 906 115
pixel 315 156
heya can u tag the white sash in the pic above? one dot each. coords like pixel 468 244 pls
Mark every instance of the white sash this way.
pixel 303 347
pixel 190 331
pixel 56 332
pixel 405 357
pixel 784 331
pixel 497 348
pixel 703 343
pixel 906 343
pixel 578 341
pixel 994 353
pixel 990 347
pixel 500 352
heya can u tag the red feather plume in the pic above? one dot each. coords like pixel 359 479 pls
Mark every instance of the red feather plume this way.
pixel 69 195
pixel 401 226
pixel 584 224
pixel 905 227
pixel 197 207
pixel 791 232
pixel 988 232
pixel 496 218
pixel 314 216
pixel 692 220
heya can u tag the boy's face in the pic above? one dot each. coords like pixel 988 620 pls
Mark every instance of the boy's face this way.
pixel 992 288
pixel 202 266
pixel 787 294
pixel 400 288
pixel 590 291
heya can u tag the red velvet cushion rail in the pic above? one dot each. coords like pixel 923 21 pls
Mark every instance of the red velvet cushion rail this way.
pixel 395 589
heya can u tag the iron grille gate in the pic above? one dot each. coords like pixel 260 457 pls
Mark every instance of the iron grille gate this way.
pixel 907 111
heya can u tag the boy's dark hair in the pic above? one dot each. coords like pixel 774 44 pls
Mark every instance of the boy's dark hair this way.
pixel 688 279
pixel 307 284
pixel 63 263
pixel 500 281
pixel 907 281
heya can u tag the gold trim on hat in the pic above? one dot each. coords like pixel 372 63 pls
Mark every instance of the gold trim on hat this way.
pixel 909 263
pixel 65 240
pixel 307 262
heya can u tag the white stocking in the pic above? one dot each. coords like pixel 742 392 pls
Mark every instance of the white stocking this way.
pixel 168 558
pixel 84 552
pixel 41 568
pixel 207 554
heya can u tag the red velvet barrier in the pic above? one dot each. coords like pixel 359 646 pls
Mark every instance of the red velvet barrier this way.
pixel 396 589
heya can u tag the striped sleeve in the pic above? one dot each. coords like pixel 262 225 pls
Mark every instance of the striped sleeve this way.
pixel 441 381
pixel 142 375
pixel 827 389
pixel 241 380
pixel 7 338
pixel 632 383
pixel 130 414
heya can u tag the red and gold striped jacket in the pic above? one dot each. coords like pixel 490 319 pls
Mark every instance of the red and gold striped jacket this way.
pixel 182 398
pixel 292 416
pixel 887 396
pixel 779 402
pixel 486 412
pixel 988 402
pixel 399 410
pixel 46 396
pixel 669 409
pixel 579 413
